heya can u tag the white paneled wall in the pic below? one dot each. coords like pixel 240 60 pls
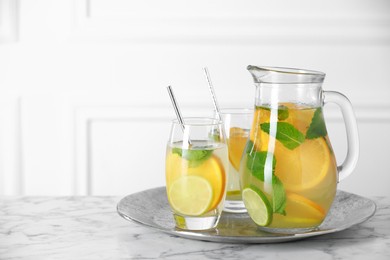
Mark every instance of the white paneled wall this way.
pixel 83 103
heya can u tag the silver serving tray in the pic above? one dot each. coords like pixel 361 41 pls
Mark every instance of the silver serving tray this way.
pixel 150 208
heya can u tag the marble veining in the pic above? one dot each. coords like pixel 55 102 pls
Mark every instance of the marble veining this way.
pixel 90 228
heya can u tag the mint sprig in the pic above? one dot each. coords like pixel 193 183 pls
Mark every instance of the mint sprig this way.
pixel 257 164
pixel 279 196
pixel 194 157
pixel 286 133
pixel 282 112
pixel 249 147
pixel 317 126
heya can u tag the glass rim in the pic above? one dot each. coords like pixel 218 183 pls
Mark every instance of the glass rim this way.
pixel 285 76
pixel 288 70
pixel 233 110
pixel 198 121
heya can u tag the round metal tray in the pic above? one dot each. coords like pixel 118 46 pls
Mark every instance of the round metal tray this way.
pixel 150 208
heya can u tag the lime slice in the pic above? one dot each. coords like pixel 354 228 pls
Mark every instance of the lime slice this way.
pixel 190 195
pixel 258 206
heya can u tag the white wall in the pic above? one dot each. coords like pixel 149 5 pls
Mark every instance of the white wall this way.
pixel 83 103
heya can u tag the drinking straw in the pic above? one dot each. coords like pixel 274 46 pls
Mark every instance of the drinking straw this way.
pixel 211 88
pixel 177 110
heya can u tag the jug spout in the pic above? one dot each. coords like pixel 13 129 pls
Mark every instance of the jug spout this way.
pixel 284 75
pixel 258 73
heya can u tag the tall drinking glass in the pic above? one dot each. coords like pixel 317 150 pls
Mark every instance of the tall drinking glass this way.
pixel 196 163
pixel 237 123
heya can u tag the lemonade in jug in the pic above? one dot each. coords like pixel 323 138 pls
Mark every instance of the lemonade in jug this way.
pixel 288 171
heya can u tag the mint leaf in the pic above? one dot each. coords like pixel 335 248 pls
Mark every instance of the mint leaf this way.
pixel 286 133
pixel 256 163
pixel 317 126
pixel 279 196
pixel 178 151
pixel 249 147
pixel 282 112
pixel 194 157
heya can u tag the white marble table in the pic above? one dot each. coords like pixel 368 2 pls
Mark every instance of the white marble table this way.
pixel 90 228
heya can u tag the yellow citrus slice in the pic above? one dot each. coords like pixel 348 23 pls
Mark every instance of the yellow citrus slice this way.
pixel 299 116
pixel 212 170
pixel 175 167
pixel 305 166
pixel 299 205
pixel 190 195
pixel 236 144
pixel 260 116
pixel 301 212
pixel 281 221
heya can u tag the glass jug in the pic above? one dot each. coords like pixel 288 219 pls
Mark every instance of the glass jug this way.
pixel 288 170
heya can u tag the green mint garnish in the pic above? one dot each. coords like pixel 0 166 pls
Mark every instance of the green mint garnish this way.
pixel 194 157
pixel 249 146
pixel 286 133
pixel 279 196
pixel 282 112
pixel 317 127
pixel 257 164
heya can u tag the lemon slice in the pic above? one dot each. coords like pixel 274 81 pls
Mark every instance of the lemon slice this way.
pixel 304 167
pixel 300 117
pixel 300 206
pixel 258 206
pixel 212 170
pixel 236 143
pixel 301 213
pixel 190 195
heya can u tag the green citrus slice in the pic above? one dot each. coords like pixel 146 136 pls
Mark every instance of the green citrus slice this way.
pixel 258 206
pixel 190 195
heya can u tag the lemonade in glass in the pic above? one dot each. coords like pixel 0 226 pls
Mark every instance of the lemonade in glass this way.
pixel 237 123
pixel 196 162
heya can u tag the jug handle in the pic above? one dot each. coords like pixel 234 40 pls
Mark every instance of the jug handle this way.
pixel 349 164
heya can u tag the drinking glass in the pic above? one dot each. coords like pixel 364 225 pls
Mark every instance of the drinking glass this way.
pixel 196 163
pixel 237 123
